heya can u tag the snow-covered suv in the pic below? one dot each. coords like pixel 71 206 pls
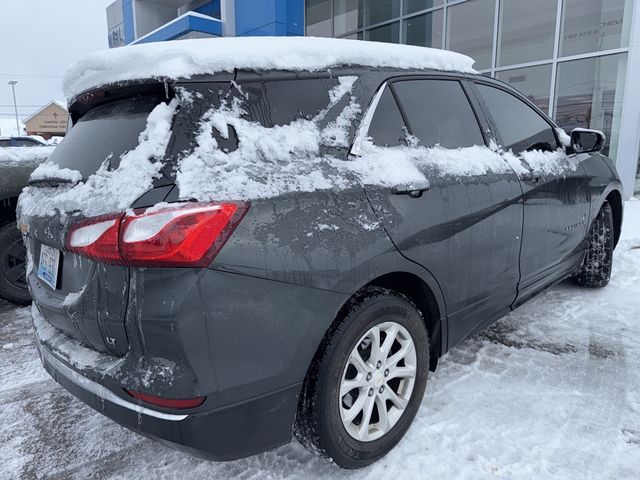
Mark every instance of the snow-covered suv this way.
pixel 241 239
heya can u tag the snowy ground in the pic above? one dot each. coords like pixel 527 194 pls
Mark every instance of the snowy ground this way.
pixel 551 391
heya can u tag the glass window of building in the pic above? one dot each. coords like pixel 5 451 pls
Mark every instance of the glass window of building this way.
pixel 526 31
pixel 382 10
pixel 389 33
pixel 347 16
pixel 520 126
pixel 589 94
pixel 636 190
pixel 354 36
pixel 470 30
pixel 438 113
pixel 411 6
pixel 318 18
pixel 594 25
pixel 387 127
pixel 424 30
pixel 532 82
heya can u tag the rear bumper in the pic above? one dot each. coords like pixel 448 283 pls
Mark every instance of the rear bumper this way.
pixel 227 433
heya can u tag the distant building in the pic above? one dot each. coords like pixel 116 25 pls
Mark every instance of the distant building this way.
pixel 143 21
pixel 50 121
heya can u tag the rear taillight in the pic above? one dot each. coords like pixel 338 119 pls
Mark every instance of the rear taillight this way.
pixel 184 235
pixel 97 238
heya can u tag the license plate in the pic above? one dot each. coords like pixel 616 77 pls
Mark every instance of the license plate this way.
pixel 48 266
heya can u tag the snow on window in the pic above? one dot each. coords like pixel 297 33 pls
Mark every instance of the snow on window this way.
pixel 185 58
pixel 107 190
pixel 290 158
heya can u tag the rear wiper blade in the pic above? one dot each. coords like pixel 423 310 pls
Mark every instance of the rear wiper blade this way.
pixel 50 182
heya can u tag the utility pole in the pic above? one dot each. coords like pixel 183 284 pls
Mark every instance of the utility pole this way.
pixel 13 84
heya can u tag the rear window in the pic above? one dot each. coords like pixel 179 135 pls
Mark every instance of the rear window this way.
pixel 439 113
pixel 104 133
pixel 27 143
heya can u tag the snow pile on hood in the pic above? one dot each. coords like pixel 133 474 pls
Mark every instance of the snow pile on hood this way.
pixel 185 58
pixel 107 190
pixel 17 155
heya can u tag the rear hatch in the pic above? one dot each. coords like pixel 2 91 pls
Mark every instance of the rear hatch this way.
pixel 85 299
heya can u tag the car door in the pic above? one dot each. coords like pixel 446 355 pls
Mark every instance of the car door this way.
pixel 464 228
pixel 555 190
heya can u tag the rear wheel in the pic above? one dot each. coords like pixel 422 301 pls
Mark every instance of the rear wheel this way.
pixel 13 281
pixel 595 271
pixel 364 390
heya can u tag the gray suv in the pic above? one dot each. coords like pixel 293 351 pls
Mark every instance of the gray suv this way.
pixel 254 291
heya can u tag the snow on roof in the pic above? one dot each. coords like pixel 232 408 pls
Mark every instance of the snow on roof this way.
pixel 185 58
pixel 58 103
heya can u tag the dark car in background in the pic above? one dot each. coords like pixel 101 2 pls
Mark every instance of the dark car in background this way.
pixel 226 326
pixel 7 142
pixel 16 165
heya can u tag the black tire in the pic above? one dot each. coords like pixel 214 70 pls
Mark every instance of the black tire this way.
pixel 595 270
pixel 13 282
pixel 319 426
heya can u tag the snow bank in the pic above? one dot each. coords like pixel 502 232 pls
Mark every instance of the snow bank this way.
pixel 185 58
pixel 107 190
pixel 19 155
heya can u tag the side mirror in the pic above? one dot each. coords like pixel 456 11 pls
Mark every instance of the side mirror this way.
pixel 587 141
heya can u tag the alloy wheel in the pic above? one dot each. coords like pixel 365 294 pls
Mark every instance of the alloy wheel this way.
pixel 377 381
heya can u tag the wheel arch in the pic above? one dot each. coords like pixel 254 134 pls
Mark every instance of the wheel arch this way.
pixel 419 292
pixel 8 210
pixel 614 197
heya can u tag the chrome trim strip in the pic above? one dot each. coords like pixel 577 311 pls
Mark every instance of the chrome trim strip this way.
pixel 101 391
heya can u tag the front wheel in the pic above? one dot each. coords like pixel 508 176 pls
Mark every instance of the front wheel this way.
pixel 595 271
pixel 365 388
pixel 13 281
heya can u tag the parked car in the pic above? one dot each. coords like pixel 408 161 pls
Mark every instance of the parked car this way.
pixel 311 239
pixel 16 166
pixel 6 142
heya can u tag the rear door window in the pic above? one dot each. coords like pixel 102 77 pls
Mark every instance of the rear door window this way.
pixel 387 127
pixel 104 134
pixel 439 113
pixel 26 143
pixel 520 126
pixel 5 143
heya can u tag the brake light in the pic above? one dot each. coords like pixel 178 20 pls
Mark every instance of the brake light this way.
pixel 183 235
pixel 183 403
pixel 97 238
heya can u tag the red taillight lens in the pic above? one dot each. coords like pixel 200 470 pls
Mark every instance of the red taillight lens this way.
pixel 176 403
pixel 183 235
pixel 97 238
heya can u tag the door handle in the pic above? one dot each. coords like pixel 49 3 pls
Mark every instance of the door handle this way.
pixel 532 177
pixel 414 190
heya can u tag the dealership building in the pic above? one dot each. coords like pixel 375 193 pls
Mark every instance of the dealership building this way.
pixel 578 60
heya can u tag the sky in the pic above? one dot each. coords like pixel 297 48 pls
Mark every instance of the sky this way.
pixel 39 40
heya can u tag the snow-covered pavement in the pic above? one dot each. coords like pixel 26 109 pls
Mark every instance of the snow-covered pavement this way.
pixel 551 391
